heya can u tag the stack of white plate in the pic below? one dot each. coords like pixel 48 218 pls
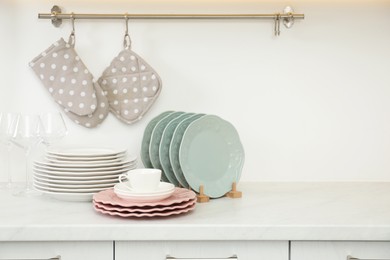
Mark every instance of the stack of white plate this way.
pixel 193 150
pixel 75 174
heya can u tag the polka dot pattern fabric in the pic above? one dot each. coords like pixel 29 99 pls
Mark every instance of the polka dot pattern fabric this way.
pixel 131 86
pixel 66 78
pixel 71 85
pixel 98 116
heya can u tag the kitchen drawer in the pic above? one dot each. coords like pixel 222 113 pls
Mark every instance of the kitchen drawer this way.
pixel 67 250
pixel 322 250
pixel 159 250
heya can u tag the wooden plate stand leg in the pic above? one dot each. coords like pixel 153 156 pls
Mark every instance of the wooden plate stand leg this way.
pixel 234 193
pixel 201 196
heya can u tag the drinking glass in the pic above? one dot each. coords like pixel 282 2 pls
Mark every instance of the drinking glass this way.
pixel 7 121
pixel 26 136
pixel 52 128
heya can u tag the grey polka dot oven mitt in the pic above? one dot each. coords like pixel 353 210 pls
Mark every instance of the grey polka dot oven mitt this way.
pixel 94 119
pixel 131 86
pixel 70 83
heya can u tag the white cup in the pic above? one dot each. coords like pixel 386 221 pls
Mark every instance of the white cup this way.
pixel 142 180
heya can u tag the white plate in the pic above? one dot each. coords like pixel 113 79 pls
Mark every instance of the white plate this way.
pixel 42 162
pixel 45 178
pixel 83 161
pixel 65 190
pixel 72 186
pixel 67 196
pixel 163 188
pixel 85 158
pixel 85 152
pixel 164 191
pixel 84 170
pixel 153 198
pixel 82 174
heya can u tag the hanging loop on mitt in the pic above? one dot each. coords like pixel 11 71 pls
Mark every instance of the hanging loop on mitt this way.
pixel 72 36
pixel 127 40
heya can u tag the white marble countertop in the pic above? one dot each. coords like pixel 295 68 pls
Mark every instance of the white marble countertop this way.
pixel 267 211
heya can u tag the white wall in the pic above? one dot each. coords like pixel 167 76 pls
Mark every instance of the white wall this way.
pixel 312 104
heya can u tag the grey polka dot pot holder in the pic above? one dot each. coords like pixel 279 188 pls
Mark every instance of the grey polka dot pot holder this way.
pixel 127 88
pixel 132 86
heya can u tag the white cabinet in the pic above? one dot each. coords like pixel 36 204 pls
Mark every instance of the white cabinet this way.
pixel 322 250
pixel 159 250
pixel 67 250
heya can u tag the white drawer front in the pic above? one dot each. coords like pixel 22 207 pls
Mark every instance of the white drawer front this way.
pixel 159 250
pixel 339 250
pixel 47 250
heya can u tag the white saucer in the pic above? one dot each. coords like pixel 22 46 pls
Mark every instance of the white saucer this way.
pixel 163 188
pixel 142 195
pixel 163 191
pixel 144 198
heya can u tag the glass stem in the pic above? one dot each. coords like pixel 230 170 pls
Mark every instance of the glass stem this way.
pixel 8 168
pixel 28 185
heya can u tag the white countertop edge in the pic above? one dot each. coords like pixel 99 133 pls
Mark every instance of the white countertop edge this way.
pixel 194 233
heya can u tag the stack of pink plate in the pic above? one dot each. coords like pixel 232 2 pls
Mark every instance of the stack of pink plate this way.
pixel 181 201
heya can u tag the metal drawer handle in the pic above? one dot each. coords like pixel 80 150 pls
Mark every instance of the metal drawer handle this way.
pixel 53 258
pixel 234 257
pixel 355 258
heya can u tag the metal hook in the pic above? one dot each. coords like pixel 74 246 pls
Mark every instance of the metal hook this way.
pixel 127 23
pixel 72 18
pixel 127 40
pixel 277 24
pixel 72 37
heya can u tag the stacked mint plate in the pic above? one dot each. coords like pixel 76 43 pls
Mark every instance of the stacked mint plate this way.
pixel 192 150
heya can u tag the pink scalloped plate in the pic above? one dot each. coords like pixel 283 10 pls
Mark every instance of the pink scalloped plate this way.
pixel 109 197
pixel 144 209
pixel 150 214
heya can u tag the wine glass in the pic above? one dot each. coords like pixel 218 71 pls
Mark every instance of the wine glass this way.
pixel 7 121
pixel 52 128
pixel 26 136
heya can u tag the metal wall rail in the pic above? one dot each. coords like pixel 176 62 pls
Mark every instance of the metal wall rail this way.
pixel 287 16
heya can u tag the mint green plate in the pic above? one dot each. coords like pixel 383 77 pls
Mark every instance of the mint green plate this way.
pixel 164 147
pixel 175 146
pixel 211 154
pixel 155 141
pixel 146 138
